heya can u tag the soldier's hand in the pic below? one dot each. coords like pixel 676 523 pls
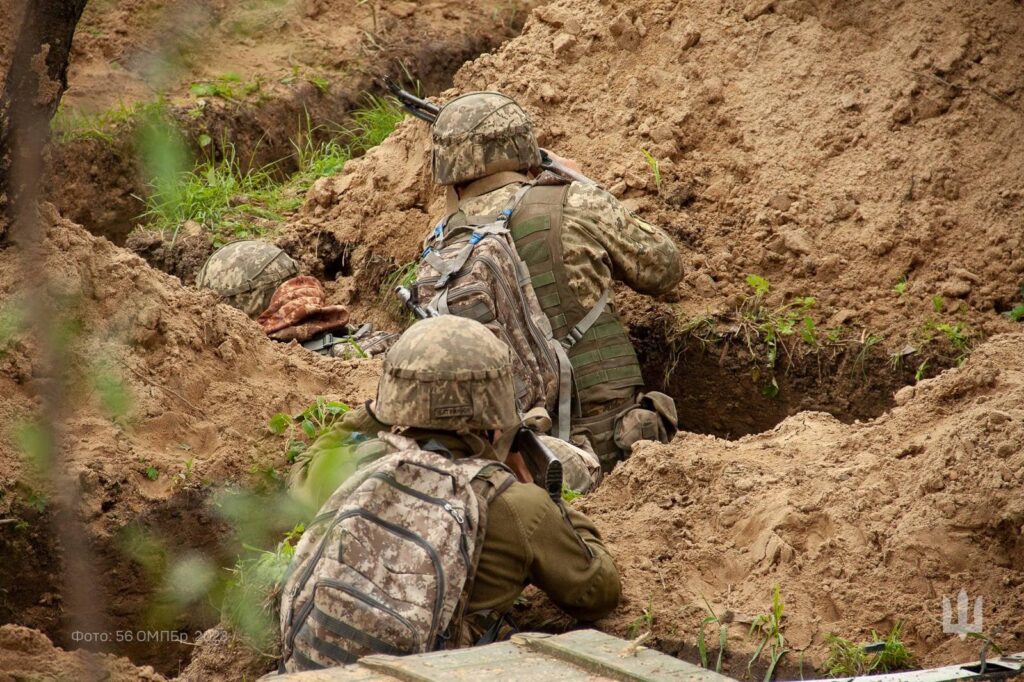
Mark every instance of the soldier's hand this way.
pixel 515 462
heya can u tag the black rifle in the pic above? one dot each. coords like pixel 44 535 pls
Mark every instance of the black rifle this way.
pixel 425 111
pixel 545 468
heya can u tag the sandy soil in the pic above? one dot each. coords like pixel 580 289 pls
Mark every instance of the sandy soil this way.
pixel 862 526
pixel 201 380
pixel 832 147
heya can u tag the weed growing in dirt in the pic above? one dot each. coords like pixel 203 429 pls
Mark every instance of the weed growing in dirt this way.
pixel 847 659
pixel 644 623
pixel 374 122
pixel 69 125
pixel 229 86
pixel 938 303
pixel 404 276
pixel 317 159
pixel 901 286
pixel 957 337
pixel 769 326
pixel 318 417
pixel 152 473
pixel 655 167
pixel 767 627
pixel 250 603
pixel 220 195
pixel 1017 313
pixel 236 200
pixel 702 647
pixel 860 362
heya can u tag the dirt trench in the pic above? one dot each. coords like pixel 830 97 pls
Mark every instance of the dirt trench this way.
pixel 99 180
pixel 98 183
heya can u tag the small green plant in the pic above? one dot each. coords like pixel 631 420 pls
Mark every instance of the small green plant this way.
pixel 847 659
pixel 318 417
pixel 919 374
pixel 767 628
pixel 321 83
pixel 152 473
pixel 835 334
pixel 250 597
pixel 36 500
pixel 723 632
pixel 228 86
pixel 655 167
pixel 568 494
pixel 773 324
pixel 185 475
pixel 374 122
pixel 644 623
pixel 938 303
pixel 868 341
pixel 959 336
pixel 901 286
pixel 1017 313
pixel 404 276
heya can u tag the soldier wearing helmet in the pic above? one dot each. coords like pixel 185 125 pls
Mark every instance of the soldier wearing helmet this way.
pixel 576 239
pixel 246 273
pixel 447 385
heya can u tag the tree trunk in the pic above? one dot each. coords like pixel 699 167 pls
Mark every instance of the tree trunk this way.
pixel 35 82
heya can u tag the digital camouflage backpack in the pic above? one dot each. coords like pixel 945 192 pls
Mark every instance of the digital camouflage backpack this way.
pixel 470 268
pixel 388 564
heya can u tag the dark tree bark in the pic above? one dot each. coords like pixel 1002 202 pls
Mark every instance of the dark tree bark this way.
pixel 36 80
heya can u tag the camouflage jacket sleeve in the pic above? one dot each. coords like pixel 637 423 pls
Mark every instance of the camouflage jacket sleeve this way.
pixel 641 255
pixel 530 539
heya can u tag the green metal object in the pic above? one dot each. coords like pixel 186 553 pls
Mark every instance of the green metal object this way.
pixel 583 656
pixel 591 656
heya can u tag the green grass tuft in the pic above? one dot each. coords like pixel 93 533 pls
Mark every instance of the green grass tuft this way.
pixel 847 659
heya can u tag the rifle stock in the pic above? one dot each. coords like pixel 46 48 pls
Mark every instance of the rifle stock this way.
pixel 545 468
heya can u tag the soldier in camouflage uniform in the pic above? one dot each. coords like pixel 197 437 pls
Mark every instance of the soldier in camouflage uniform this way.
pixel 575 239
pixel 447 385
pixel 246 273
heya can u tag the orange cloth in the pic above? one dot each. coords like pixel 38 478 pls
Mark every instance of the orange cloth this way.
pixel 297 311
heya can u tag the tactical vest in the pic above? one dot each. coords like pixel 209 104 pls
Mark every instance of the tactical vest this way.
pixel 606 371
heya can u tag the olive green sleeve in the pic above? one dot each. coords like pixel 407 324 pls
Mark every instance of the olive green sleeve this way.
pixel 566 559
pixel 642 255
pixel 582 581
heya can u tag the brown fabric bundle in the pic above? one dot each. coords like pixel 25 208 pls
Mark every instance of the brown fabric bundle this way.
pixel 297 311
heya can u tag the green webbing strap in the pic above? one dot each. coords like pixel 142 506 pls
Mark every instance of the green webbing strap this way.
pixel 583 326
pixel 630 371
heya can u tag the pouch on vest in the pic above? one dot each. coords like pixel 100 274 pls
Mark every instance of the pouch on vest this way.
pixel 652 418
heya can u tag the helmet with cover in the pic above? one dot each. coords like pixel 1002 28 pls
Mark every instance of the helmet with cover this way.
pixel 479 134
pixel 448 373
pixel 246 273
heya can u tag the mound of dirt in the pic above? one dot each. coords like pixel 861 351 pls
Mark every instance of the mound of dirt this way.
pixel 862 526
pixel 200 379
pixel 831 148
pixel 29 655
pixel 857 153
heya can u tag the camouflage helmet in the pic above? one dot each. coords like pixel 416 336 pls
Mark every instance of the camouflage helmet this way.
pixel 449 373
pixel 481 133
pixel 246 273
